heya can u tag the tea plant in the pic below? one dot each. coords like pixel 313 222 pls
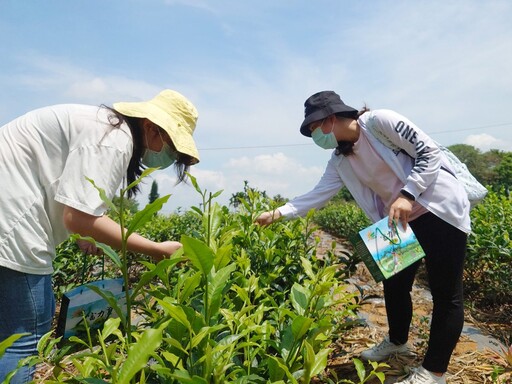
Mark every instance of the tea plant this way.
pixel 72 267
pixel 239 303
pixel 487 274
pixel 362 374
pixel 342 219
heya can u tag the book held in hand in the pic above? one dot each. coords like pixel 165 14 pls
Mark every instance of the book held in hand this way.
pixel 386 251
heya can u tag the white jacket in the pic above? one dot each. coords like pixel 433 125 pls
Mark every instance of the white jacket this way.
pixel 419 168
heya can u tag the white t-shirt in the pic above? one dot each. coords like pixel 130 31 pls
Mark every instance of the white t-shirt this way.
pixel 46 157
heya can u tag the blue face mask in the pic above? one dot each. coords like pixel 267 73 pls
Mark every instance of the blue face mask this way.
pixel 162 159
pixel 324 140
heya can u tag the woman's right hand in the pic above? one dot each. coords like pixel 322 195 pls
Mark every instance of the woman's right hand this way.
pixel 166 249
pixel 267 218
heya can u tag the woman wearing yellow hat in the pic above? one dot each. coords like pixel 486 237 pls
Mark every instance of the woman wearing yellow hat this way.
pixel 46 157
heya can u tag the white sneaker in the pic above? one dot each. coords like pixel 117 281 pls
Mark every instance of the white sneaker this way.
pixel 422 376
pixel 384 350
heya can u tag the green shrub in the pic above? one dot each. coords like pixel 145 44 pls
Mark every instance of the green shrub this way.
pixel 488 271
pixel 239 303
pixel 73 268
pixel 171 227
pixel 342 219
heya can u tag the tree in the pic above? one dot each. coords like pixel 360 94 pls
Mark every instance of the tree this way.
pixel 504 172
pixel 492 160
pixel 342 196
pixel 492 168
pixel 130 205
pixel 472 157
pixel 279 200
pixel 153 194
pixel 236 198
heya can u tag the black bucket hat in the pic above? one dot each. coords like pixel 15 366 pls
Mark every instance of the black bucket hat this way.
pixel 321 105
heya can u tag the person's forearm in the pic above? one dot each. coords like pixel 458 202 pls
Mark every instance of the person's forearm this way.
pixel 105 230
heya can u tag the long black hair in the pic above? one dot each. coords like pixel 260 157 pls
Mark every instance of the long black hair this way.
pixel 135 166
pixel 345 148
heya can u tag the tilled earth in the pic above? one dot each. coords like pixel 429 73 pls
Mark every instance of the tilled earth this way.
pixel 471 361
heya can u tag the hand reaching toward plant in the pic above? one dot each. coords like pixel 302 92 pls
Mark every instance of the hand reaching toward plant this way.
pixel 166 249
pixel 269 217
pixel 107 231
pixel 88 247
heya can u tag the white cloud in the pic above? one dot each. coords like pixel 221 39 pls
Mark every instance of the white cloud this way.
pixel 443 64
pixel 183 195
pixel 485 142
pixel 274 174
pixel 64 81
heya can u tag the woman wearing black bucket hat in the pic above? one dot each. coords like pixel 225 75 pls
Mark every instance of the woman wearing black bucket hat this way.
pixel 392 168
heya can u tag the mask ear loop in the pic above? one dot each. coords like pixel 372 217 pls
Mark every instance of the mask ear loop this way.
pixel 320 126
pixel 146 139
pixel 161 138
pixel 332 128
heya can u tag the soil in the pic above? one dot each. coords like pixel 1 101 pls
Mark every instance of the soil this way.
pixel 473 361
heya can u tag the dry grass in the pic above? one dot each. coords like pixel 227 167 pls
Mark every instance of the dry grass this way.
pixel 469 364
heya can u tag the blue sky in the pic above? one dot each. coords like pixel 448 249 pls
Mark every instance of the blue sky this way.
pixel 248 66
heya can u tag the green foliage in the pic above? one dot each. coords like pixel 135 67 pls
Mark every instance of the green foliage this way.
pixel 72 267
pixel 236 198
pixel 492 168
pixel 504 173
pixel 469 155
pixel 238 303
pixel 342 220
pixel 129 205
pixel 171 227
pixel 362 374
pixel 488 275
pixel 343 195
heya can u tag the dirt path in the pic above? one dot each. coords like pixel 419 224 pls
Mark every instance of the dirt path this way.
pixel 472 360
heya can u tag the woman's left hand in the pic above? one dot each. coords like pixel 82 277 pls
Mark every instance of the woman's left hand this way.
pixel 400 211
pixel 88 247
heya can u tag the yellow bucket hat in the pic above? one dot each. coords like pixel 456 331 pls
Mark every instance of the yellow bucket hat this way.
pixel 172 112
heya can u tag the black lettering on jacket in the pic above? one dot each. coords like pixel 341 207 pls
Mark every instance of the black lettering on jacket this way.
pixel 422 160
pixel 408 133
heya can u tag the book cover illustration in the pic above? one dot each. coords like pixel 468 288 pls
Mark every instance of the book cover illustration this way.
pixel 386 251
pixel 82 304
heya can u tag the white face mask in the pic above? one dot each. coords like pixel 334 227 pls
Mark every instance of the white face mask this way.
pixel 324 140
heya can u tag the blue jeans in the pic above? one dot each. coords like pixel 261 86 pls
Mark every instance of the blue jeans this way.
pixel 27 305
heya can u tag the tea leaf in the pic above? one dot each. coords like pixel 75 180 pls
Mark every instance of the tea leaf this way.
pixel 142 217
pixel 139 353
pixel 144 173
pixel 300 326
pixel 104 197
pixel 217 283
pixel 4 344
pixel 199 254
